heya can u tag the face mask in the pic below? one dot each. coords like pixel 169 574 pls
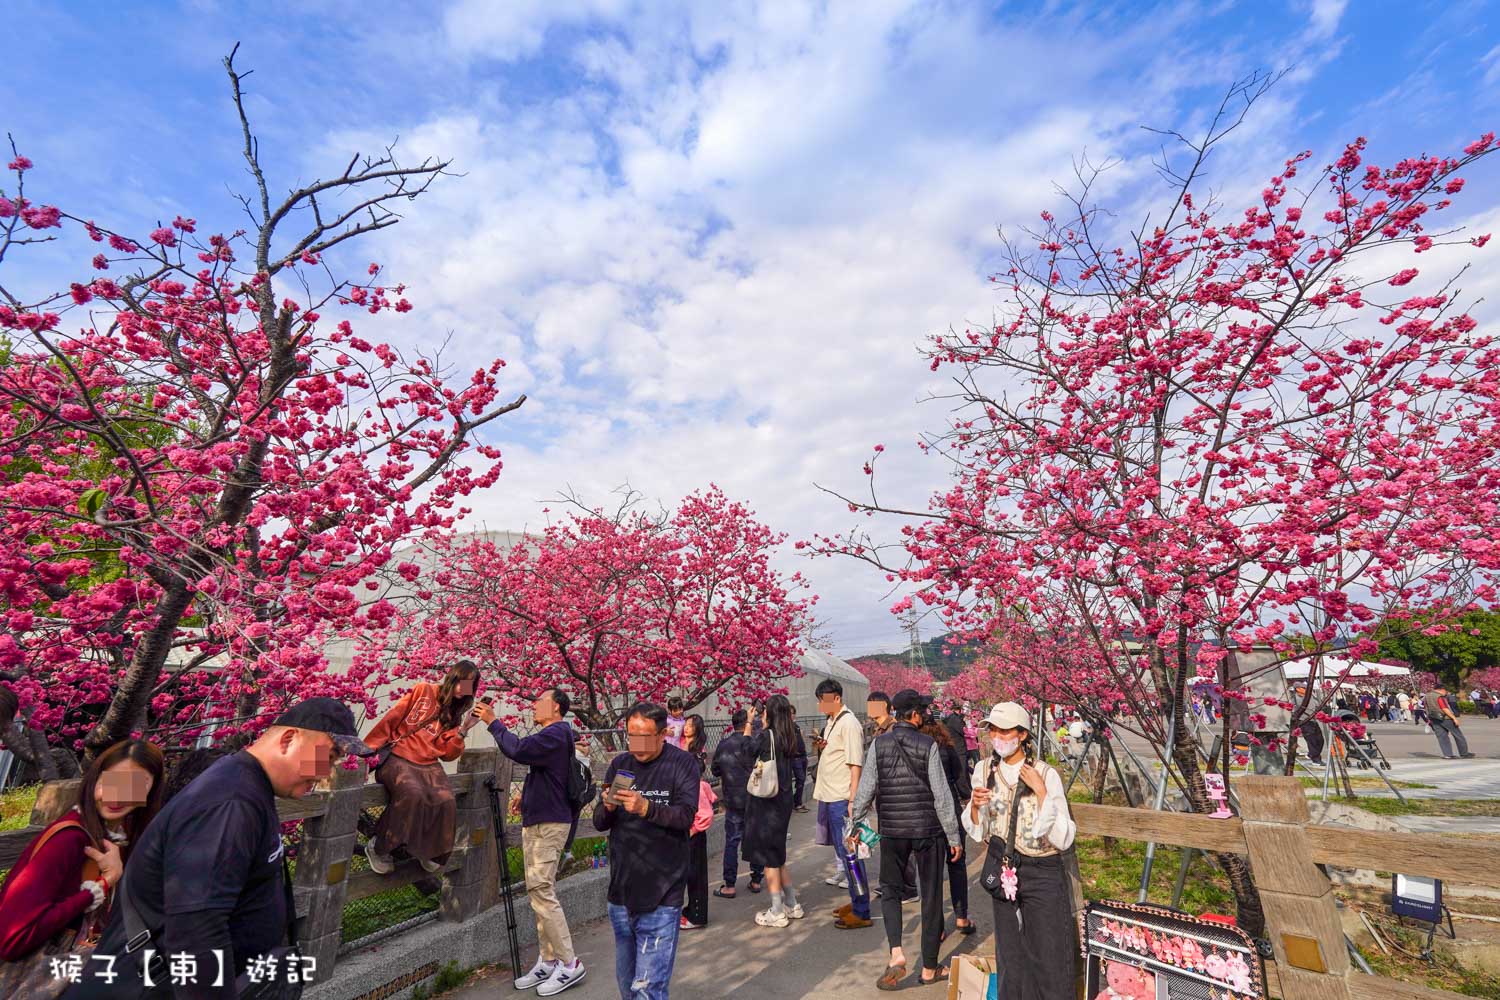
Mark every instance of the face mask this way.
pixel 1005 747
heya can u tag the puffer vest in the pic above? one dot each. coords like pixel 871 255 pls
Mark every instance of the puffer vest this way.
pixel 902 796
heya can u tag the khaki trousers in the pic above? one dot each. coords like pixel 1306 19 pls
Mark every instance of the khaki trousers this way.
pixel 542 846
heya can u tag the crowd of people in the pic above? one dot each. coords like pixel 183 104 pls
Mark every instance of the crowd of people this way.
pixel 188 862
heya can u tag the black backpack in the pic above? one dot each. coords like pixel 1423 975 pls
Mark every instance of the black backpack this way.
pixel 581 787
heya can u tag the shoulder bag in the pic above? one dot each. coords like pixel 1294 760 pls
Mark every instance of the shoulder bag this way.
pixel 33 976
pixel 763 783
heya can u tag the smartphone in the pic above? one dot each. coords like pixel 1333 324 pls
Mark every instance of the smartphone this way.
pixel 624 781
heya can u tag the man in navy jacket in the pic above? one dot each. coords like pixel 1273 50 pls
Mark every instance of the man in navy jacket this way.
pixel 546 818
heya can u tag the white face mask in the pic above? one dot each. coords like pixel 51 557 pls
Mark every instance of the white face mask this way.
pixel 1005 747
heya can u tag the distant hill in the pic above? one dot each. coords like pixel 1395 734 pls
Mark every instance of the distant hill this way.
pixel 944 660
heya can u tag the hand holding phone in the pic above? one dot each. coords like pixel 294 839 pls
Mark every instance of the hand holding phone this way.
pixel 624 782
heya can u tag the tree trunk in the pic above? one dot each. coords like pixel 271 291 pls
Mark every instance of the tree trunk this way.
pixel 127 711
pixel 1248 910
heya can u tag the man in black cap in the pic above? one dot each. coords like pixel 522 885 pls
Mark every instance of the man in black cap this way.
pixel 207 879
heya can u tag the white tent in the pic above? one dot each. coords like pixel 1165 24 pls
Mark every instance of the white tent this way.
pixel 1337 667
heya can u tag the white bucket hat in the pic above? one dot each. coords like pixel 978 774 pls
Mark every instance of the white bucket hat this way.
pixel 1009 715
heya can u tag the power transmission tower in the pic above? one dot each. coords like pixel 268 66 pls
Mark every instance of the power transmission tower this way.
pixel 916 656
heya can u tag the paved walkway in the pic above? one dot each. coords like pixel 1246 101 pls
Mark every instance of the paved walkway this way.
pixel 735 959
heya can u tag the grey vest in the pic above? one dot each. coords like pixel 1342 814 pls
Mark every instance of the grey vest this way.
pixel 902 795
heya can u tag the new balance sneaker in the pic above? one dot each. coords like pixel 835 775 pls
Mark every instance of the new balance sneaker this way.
pixel 380 864
pixel 766 918
pixel 538 975
pixel 563 976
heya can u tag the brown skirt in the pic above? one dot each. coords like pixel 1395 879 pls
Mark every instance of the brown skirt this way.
pixel 422 812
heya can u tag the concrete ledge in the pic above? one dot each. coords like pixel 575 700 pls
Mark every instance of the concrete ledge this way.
pixel 377 972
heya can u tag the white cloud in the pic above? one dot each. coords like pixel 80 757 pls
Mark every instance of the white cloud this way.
pixel 713 260
pixel 1325 16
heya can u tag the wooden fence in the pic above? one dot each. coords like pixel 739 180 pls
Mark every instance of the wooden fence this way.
pixel 1274 831
pixel 323 882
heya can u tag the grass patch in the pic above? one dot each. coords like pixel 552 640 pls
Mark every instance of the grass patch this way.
pixel 363 917
pixel 449 977
pixel 1114 872
pixel 15 806
pixel 1425 807
pixel 1359 782
pixel 1443 973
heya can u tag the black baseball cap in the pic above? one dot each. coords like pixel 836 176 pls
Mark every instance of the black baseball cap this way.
pixel 327 715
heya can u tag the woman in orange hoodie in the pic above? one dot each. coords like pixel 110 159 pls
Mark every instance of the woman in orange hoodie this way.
pixel 426 726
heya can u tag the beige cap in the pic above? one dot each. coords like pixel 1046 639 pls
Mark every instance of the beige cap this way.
pixel 1009 715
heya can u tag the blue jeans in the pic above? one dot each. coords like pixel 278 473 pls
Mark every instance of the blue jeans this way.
pixel 734 833
pixel 835 815
pixel 645 948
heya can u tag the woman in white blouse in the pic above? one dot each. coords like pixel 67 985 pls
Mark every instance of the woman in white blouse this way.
pixel 1020 810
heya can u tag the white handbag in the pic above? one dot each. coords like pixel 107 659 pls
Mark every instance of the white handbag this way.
pixel 762 783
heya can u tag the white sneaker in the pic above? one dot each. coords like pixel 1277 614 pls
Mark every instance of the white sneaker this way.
pixel 538 975
pixel 380 864
pixel 839 881
pixel 563 976
pixel 429 866
pixel 768 919
pixel 796 912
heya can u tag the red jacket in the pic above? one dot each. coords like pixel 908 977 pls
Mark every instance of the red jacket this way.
pixel 41 895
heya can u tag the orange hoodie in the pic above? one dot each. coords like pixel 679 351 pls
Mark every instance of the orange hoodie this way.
pixel 426 745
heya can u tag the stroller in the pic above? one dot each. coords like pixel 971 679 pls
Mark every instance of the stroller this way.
pixel 1363 751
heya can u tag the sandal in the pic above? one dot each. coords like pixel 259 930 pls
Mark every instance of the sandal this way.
pixel 891 979
pixel 731 894
pixel 940 977
pixel 755 887
pixel 967 929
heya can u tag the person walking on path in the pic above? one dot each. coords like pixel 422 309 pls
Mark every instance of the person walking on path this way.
pixel 1444 721
pixel 733 758
pixel 1020 810
pixel 799 767
pixel 547 819
pixel 840 759
pixel 647 807
pixel 903 779
pixel 957 775
pixel 768 819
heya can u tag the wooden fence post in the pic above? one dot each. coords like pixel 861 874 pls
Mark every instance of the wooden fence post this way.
pixel 1302 917
pixel 53 799
pixel 463 887
pixel 322 876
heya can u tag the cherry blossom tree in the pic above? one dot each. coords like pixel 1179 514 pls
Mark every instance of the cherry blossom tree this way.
pixel 199 469
pixel 1232 430
pixel 891 676
pixel 613 606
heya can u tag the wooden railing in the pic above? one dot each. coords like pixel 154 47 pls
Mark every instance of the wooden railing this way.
pixel 1275 833
pixel 322 882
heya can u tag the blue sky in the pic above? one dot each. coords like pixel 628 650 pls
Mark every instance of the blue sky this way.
pixel 709 237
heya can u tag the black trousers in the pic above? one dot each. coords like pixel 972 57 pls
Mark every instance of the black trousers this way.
pixel 696 909
pixel 1036 941
pixel 799 780
pixel 958 882
pixel 929 853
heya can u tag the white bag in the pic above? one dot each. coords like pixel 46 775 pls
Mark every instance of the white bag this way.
pixel 762 783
